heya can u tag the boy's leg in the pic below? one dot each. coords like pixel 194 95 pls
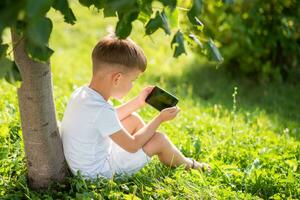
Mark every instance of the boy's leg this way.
pixel 133 122
pixel 167 152
pixel 159 145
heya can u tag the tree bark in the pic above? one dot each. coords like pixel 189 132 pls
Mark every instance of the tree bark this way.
pixel 42 142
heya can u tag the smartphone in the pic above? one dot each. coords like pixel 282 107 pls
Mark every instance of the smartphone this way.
pixel 161 99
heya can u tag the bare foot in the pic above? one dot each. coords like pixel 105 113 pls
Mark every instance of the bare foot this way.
pixel 200 166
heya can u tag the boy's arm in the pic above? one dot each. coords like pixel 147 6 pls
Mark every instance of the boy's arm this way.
pixel 134 104
pixel 133 143
pixel 127 108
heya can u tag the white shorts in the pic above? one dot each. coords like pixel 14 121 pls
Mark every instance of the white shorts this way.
pixel 124 162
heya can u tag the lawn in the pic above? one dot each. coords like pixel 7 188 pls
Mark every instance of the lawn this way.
pixel 249 132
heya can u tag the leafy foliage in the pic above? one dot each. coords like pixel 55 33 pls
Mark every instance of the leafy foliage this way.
pixel 258 38
pixel 124 27
pixel 159 21
pixel 214 51
pixel 178 40
pixel 195 11
pixel 66 11
pixel 31 21
pixel 38 33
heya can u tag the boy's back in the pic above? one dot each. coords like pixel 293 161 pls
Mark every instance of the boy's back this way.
pixel 87 148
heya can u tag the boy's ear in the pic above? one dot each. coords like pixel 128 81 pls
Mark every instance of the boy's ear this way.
pixel 116 78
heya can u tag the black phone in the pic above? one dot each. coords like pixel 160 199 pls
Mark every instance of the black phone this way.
pixel 161 99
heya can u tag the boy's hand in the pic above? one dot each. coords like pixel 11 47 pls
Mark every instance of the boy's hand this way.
pixel 141 98
pixel 168 113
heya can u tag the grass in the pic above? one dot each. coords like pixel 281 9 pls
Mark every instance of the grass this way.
pixel 251 138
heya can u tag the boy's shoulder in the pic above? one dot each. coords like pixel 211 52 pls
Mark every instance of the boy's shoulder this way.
pixel 85 92
pixel 84 97
pixel 95 96
pixel 88 98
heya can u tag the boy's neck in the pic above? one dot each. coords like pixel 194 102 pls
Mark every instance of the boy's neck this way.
pixel 100 90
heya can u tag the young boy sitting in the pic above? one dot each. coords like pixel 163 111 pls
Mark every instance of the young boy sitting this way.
pixel 99 139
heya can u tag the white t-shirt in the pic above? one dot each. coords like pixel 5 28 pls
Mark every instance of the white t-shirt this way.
pixel 87 123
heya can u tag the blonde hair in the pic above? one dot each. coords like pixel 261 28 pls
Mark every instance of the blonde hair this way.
pixel 120 52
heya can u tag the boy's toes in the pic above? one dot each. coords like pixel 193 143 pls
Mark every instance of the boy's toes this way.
pixel 202 166
pixel 208 167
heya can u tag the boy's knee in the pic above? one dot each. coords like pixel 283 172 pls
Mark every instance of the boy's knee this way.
pixel 161 137
pixel 156 144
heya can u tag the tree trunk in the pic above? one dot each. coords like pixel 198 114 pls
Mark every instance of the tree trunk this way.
pixel 43 145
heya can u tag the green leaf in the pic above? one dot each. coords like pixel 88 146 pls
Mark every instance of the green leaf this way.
pixel 196 40
pixel 109 12
pixel 10 11
pixel 97 3
pixel 39 31
pixel 113 6
pixel 65 10
pixel 195 11
pixel 170 3
pixel 4 150
pixel 5 66
pixel 198 22
pixel 87 3
pixel 197 145
pixel 178 42
pixel 37 8
pixel 40 53
pixel 122 6
pixel 145 7
pixel 215 53
pixel 159 21
pixel 124 27
pixel 13 74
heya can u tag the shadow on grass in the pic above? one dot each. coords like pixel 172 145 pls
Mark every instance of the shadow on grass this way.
pixel 76 187
pixel 203 82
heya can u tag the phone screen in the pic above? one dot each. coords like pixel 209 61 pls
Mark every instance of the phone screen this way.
pixel 161 99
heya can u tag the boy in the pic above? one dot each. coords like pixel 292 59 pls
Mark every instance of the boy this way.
pixel 99 139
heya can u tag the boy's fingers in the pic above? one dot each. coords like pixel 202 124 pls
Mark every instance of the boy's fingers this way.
pixel 173 109
pixel 150 87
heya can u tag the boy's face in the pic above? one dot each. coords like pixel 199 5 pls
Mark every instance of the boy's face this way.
pixel 123 82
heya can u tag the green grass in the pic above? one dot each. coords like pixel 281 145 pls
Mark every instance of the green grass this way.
pixel 252 144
